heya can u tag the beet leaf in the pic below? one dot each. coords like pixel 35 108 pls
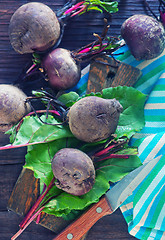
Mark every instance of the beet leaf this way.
pixel 132 118
pixel 33 131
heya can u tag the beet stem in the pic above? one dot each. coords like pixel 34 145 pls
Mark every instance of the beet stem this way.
pixel 104 151
pixel 38 218
pixel 113 156
pixel 41 119
pixel 75 7
pixel 105 29
pixel 68 5
pixel 27 224
pixel 31 68
pixel 106 63
pixel 36 205
pixel 81 10
pixel 85 50
pixel 15 146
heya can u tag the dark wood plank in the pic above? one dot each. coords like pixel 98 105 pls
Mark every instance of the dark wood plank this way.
pixel 110 227
pixel 27 191
pixel 9 177
pixel 114 224
pixel 12 156
pixel 22 203
pixel 9 225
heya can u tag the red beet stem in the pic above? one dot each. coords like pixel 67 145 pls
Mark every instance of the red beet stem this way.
pixel 81 10
pixel 36 205
pixel 74 7
pixel 31 68
pixel 113 156
pixel 27 224
pixel 104 151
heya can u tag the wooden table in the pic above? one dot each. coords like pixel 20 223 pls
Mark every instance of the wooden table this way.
pixel 77 33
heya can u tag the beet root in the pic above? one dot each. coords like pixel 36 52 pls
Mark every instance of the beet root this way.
pixel 144 35
pixel 12 106
pixel 62 70
pixel 93 119
pixel 33 27
pixel 74 171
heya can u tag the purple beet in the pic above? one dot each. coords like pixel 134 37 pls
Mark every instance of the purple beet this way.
pixel 61 68
pixel 144 35
pixel 74 171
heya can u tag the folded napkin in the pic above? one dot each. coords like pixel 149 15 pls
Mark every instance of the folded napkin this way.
pixel 144 210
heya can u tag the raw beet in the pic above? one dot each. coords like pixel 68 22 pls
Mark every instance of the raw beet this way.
pixel 12 106
pixel 144 35
pixel 93 119
pixel 62 70
pixel 74 171
pixel 33 27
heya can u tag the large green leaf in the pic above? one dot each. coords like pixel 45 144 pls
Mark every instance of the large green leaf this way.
pixel 115 169
pixel 108 6
pixel 68 98
pixel 33 131
pixel 132 118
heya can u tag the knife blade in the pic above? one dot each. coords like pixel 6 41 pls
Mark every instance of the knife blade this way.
pixel 108 203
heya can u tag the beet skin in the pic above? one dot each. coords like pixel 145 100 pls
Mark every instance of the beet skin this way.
pixel 74 171
pixel 62 70
pixel 33 27
pixel 144 35
pixel 92 119
pixel 13 106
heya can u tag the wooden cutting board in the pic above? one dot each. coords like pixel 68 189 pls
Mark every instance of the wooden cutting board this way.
pixel 104 72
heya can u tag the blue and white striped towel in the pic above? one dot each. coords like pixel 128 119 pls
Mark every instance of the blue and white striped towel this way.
pixel 144 210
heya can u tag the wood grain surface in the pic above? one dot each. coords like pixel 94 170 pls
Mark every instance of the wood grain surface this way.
pixel 77 33
pixel 105 72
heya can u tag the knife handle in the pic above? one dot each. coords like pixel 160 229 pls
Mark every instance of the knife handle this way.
pixel 79 227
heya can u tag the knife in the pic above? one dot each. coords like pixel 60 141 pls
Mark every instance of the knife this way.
pixel 108 203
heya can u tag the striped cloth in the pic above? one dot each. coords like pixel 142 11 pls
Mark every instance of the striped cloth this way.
pixel 144 210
